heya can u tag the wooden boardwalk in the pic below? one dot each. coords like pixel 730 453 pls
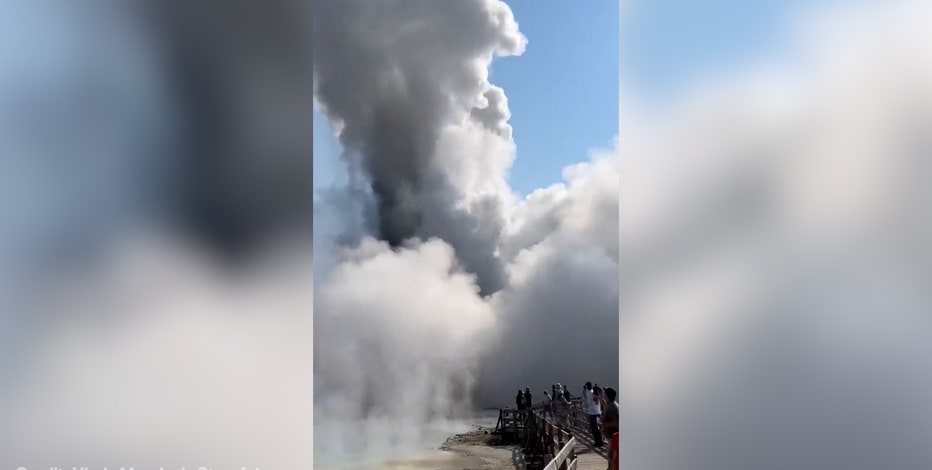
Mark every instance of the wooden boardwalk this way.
pixel 579 427
pixel 549 446
pixel 591 462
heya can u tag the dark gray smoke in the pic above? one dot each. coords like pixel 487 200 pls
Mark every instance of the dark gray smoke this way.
pixel 391 76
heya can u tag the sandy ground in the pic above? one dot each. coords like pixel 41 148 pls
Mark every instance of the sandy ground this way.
pixel 460 458
pixel 475 450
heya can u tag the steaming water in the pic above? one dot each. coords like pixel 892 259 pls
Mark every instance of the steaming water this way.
pixel 332 449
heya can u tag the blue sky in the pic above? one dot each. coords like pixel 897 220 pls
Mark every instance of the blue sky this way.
pixel 563 91
pixel 669 44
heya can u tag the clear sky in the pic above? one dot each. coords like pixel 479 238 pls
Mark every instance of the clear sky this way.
pixel 562 92
pixel 668 44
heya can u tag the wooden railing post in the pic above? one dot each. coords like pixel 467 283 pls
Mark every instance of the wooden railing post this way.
pixel 558 438
pixel 514 424
pixel 537 430
pixel 560 459
pixel 557 442
pixel 543 437
pixel 572 459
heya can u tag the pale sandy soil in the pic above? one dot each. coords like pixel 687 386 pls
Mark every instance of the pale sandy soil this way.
pixel 474 450
pixel 460 457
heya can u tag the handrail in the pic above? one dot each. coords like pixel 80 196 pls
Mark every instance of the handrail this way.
pixel 561 457
pixel 544 439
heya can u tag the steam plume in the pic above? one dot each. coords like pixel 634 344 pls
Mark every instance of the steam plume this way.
pixel 392 77
pixel 446 295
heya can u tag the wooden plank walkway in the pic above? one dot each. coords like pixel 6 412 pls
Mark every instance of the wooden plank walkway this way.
pixel 543 441
pixel 579 427
pixel 590 462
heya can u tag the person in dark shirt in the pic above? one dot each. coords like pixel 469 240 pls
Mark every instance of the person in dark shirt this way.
pixel 528 403
pixel 519 400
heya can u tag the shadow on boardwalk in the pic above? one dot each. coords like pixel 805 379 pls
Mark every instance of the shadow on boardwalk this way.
pixel 584 437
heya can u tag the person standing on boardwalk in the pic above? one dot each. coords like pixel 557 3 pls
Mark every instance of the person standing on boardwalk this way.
pixel 599 395
pixel 548 405
pixel 561 410
pixel 593 410
pixel 519 400
pixel 528 403
pixel 610 414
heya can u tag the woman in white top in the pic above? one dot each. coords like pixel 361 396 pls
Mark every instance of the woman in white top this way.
pixel 594 411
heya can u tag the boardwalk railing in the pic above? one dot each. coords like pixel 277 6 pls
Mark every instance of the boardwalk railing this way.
pixel 549 446
pixel 559 462
pixel 511 425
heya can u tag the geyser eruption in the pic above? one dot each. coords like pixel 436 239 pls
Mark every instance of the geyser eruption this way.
pixel 392 77
pixel 398 321
pixel 397 336
pixel 436 303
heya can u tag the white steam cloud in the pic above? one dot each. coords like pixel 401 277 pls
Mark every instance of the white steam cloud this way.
pixel 774 232
pixel 397 337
